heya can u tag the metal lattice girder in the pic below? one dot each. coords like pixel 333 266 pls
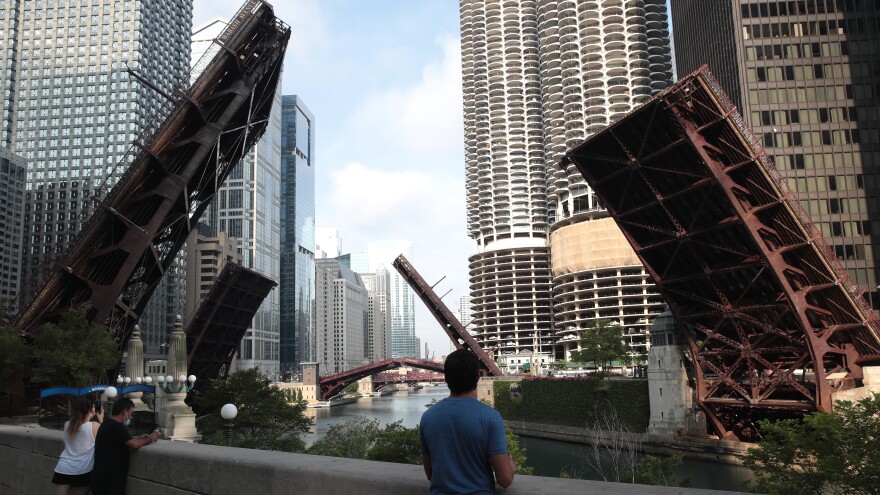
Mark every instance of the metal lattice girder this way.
pixel 121 254
pixel 460 337
pixel 773 320
pixel 332 385
pixel 221 319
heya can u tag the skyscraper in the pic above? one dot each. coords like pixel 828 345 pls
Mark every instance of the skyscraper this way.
pixel 13 172
pixel 297 285
pixel 379 328
pixel 540 76
pixel 71 109
pixel 341 317
pixel 379 257
pixel 247 207
pixel 804 76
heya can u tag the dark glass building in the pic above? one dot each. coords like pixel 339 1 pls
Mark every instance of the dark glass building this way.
pixel 806 77
pixel 297 287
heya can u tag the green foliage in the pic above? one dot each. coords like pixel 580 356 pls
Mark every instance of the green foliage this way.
pixel 653 470
pixel 352 438
pixel 351 389
pixel 361 438
pixel 572 401
pixel 14 354
pixel 601 344
pixel 73 352
pixel 517 452
pixel 822 454
pixel 265 421
pixel 397 443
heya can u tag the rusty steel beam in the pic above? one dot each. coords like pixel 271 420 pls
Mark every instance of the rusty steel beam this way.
pixel 456 332
pixel 757 289
pixel 119 257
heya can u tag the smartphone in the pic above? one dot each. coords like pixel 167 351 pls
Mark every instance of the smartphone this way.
pixel 97 407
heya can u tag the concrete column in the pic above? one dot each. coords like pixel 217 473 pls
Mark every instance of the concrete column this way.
pixel 134 366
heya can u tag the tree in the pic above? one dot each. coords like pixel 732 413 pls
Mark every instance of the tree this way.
pixel 14 355
pixel 601 345
pixel 265 421
pixel 821 454
pixel 73 352
pixel 397 443
pixel 361 438
pixel 352 438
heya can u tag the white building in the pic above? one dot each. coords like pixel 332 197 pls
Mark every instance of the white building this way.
pixel 379 325
pixel 341 317
pixel 539 77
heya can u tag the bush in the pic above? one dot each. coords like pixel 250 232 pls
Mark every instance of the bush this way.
pixel 572 401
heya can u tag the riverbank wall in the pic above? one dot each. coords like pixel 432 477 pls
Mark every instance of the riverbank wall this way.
pixel 707 449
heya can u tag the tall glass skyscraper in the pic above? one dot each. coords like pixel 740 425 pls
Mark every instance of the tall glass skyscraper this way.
pixel 378 259
pixel 71 109
pixel 540 76
pixel 248 207
pixel 804 76
pixel 297 285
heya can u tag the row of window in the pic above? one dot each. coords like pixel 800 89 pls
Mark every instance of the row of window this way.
pixel 808 72
pixel 849 27
pixel 821 138
pixel 800 161
pixel 814 94
pixel 800 50
pixel 812 116
pixel 800 7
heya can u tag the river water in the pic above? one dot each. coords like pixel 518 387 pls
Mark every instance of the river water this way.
pixel 548 457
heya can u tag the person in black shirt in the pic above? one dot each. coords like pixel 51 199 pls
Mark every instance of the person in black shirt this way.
pixel 112 446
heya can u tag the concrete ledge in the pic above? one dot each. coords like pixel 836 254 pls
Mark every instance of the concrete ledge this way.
pixel 28 457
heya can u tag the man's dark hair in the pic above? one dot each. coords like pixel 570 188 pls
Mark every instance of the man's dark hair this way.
pixel 122 404
pixel 462 372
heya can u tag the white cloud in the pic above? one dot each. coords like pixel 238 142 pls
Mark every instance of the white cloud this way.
pixel 423 120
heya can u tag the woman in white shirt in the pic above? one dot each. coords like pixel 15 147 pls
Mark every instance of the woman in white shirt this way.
pixel 74 468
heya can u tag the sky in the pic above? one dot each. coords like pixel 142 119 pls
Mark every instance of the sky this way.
pixel 383 80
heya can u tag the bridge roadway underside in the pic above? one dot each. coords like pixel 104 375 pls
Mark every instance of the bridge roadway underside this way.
pixel 773 322
pixel 29 455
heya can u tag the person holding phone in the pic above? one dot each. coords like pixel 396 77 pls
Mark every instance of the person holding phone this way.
pixel 113 446
pixel 74 469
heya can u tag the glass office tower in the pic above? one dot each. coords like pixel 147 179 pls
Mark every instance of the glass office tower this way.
pixel 804 75
pixel 297 284
pixel 71 109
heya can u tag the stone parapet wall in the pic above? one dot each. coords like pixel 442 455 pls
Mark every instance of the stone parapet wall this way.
pixel 28 457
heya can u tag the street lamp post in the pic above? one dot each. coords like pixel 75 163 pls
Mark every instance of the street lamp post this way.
pixel 229 412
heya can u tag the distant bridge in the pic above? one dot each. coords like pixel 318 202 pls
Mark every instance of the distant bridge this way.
pixel 413 376
pixel 334 384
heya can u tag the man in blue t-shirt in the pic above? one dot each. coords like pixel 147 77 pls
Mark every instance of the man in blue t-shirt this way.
pixel 464 449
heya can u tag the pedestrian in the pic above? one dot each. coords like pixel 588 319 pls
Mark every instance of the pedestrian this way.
pixel 112 447
pixel 464 447
pixel 74 468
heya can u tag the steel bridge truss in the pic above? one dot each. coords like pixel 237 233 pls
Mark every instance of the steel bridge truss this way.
pixel 459 335
pixel 221 319
pixel 773 321
pixel 119 257
pixel 332 385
